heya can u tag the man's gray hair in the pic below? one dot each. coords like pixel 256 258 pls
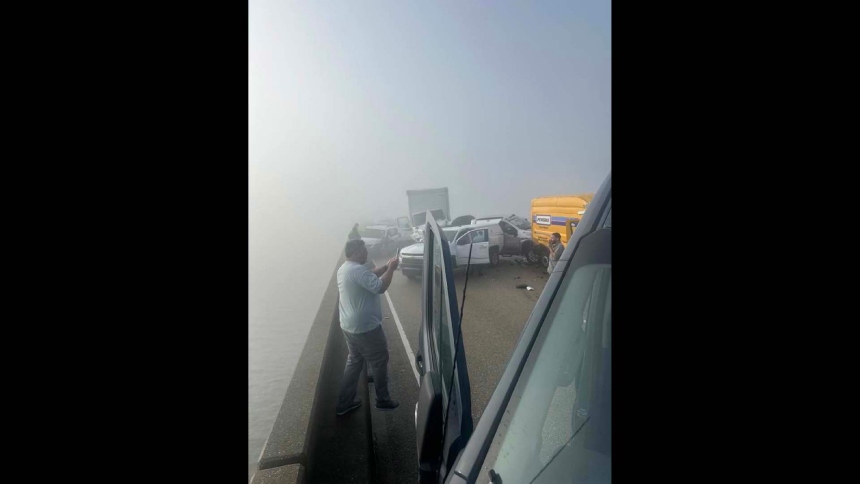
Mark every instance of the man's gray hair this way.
pixel 353 246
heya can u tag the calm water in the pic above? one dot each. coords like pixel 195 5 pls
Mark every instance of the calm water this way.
pixel 274 347
pixel 285 289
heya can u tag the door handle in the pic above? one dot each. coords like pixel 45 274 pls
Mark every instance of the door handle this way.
pixel 420 363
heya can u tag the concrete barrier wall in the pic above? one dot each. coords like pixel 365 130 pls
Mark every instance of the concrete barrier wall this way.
pixel 308 442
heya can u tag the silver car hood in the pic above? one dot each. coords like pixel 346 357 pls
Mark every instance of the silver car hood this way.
pixel 414 249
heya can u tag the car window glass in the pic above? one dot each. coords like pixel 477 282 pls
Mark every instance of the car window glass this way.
pixel 446 348
pixel 437 294
pixel 464 239
pixel 441 324
pixel 557 425
pixel 479 236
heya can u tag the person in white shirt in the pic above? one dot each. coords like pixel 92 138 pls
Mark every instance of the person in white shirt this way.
pixel 361 322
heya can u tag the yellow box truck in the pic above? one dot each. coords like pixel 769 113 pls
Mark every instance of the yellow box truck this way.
pixel 555 214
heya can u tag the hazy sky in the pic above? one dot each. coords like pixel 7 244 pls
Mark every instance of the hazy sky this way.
pixel 353 103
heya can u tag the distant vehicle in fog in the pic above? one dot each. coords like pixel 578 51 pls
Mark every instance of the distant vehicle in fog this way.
pixel 420 201
pixel 462 220
pixel 381 239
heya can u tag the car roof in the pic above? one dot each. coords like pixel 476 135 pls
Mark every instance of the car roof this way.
pixel 467 228
pixel 483 224
pixel 478 225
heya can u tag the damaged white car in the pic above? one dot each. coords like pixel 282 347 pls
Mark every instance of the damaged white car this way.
pixel 480 244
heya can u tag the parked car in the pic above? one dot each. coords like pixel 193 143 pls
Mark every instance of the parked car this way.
pixel 381 239
pixel 487 241
pixel 550 417
pixel 484 242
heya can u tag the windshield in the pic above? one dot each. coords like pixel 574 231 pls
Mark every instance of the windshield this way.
pixel 557 427
pixel 372 233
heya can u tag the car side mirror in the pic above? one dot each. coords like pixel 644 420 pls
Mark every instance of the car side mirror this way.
pixel 428 422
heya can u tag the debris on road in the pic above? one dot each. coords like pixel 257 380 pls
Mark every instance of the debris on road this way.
pixel 529 288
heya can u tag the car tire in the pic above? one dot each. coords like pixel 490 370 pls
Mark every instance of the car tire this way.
pixel 494 257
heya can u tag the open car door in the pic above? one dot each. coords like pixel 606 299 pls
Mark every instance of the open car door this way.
pixel 443 414
pixel 478 242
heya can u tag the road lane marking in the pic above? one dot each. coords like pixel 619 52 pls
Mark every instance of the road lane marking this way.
pixel 403 338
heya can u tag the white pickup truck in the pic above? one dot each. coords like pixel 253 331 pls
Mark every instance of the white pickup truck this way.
pixel 487 242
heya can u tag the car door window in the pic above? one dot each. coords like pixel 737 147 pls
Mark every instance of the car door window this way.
pixel 441 324
pixel 557 424
pixel 464 239
pixel 479 236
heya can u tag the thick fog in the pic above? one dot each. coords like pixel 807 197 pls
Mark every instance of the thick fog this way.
pixel 353 103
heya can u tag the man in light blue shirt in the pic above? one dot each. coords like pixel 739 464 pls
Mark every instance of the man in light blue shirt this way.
pixel 361 322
